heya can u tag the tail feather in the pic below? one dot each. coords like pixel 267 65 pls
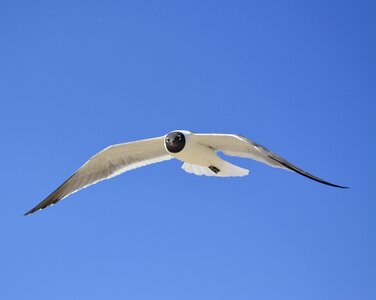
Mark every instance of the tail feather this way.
pixel 225 169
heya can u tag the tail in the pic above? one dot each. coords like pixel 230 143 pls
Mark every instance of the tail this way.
pixel 220 169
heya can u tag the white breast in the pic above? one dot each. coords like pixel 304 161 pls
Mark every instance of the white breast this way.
pixel 197 154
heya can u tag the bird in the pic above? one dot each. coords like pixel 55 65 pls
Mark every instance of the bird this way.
pixel 197 151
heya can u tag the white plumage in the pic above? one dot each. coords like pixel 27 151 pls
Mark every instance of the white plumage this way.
pixel 197 151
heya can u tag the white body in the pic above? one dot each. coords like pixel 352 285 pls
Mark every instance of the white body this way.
pixel 198 158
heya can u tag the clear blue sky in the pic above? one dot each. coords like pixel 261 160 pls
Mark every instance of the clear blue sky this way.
pixel 299 78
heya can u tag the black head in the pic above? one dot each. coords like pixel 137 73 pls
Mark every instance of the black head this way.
pixel 175 141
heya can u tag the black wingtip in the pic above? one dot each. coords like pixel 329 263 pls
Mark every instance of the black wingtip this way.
pixel 291 167
pixel 334 185
pixel 31 211
pixel 28 213
pixel 310 176
pixel 343 187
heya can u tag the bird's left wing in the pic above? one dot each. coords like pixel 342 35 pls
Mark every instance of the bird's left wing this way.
pixel 236 145
pixel 108 163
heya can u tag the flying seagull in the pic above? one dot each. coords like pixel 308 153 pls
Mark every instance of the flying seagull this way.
pixel 198 152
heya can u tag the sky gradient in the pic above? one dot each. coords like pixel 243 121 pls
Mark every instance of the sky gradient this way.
pixel 298 78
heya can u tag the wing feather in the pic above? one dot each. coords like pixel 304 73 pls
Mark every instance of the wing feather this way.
pixel 108 163
pixel 236 145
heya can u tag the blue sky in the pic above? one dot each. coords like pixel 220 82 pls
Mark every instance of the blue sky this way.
pixel 299 78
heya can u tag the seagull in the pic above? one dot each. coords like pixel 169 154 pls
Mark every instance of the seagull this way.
pixel 197 151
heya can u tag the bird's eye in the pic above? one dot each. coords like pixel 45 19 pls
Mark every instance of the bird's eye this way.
pixel 179 137
pixel 167 140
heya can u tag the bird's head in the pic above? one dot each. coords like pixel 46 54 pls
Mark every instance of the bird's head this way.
pixel 175 141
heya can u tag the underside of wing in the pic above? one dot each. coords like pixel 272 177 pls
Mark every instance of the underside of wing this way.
pixel 108 163
pixel 236 145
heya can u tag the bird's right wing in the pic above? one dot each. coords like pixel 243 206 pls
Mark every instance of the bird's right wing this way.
pixel 236 145
pixel 108 163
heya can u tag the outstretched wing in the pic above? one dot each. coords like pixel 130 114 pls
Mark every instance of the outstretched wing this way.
pixel 236 145
pixel 108 163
